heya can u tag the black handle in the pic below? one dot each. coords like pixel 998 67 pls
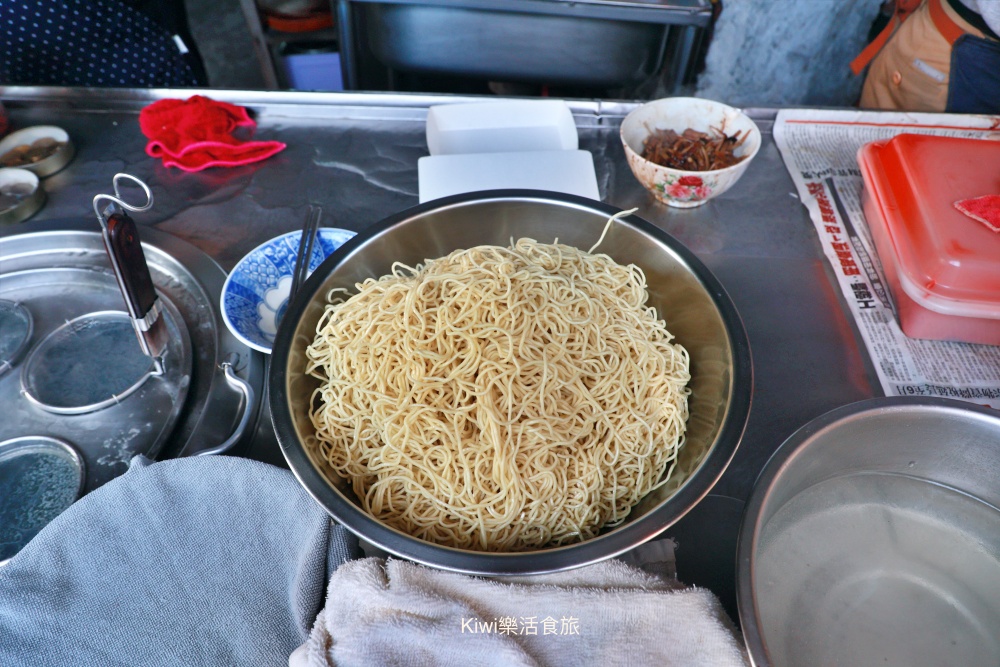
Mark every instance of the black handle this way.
pixel 137 283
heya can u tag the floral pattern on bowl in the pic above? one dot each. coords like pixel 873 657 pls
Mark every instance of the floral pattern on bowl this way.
pixel 677 187
pixel 255 294
pixel 685 188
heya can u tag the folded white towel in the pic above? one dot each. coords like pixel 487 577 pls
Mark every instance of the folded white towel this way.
pixel 392 612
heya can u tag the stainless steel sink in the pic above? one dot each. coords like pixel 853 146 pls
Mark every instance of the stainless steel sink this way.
pixel 600 43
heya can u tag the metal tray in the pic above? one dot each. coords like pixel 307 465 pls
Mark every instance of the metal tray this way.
pixel 60 271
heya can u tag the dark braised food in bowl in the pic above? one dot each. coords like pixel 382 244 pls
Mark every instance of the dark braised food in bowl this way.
pixel 692 150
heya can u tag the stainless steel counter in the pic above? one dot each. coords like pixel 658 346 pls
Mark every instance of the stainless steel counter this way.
pixel 356 155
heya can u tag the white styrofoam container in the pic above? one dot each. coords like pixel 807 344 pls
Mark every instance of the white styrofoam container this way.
pixel 501 127
pixel 566 171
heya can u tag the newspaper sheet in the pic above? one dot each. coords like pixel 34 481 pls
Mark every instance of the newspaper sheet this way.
pixel 820 148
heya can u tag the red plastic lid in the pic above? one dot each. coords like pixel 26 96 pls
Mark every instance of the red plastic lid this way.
pixel 947 261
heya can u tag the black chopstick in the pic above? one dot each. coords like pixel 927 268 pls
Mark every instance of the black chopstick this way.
pixel 304 254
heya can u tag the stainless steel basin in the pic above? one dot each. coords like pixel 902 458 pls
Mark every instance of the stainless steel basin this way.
pixel 689 298
pixel 873 538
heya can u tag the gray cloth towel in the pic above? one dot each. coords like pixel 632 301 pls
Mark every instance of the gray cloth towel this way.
pixel 200 561
pixel 392 612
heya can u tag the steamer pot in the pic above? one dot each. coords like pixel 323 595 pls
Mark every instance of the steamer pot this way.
pixel 60 272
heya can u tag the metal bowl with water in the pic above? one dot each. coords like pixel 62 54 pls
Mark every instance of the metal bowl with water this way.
pixel 693 303
pixel 872 537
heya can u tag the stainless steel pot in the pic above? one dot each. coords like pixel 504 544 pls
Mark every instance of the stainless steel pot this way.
pixel 872 537
pixel 692 301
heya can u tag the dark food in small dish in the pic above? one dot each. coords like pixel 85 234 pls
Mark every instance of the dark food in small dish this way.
pixel 692 150
pixel 36 151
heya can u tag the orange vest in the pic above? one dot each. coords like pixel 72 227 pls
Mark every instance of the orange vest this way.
pixel 950 30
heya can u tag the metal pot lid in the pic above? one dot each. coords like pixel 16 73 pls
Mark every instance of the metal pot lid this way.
pixel 41 477
pixel 59 271
pixel 85 365
pixel 94 361
pixel 15 332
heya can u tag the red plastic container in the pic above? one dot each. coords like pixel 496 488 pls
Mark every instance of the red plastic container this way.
pixel 942 266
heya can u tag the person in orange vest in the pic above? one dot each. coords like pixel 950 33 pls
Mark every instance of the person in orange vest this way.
pixel 935 55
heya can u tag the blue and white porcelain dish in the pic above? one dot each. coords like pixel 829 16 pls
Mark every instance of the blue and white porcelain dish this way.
pixel 255 294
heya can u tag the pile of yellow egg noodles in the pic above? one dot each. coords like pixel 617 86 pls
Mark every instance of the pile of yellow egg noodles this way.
pixel 499 398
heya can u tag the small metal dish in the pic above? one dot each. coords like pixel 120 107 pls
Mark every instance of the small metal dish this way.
pixel 21 195
pixel 42 149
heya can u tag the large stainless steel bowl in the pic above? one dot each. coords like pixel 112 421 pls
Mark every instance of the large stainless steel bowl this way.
pixel 872 537
pixel 693 303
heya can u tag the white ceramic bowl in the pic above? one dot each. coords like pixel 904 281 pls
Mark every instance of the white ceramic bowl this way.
pixel 677 187
pixel 255 294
